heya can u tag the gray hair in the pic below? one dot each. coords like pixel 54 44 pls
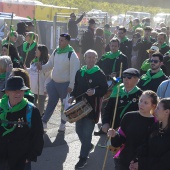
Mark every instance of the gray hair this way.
pixel 90 51
pixel 5 61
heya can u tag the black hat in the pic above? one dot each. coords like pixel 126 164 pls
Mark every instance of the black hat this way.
pixel 107 26
pixel 21 25
pixel 66 35
pixel 15 83
pixel 91 21
pixel 29 23
pixel 132 71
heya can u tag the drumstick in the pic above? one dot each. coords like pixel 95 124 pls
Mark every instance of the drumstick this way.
pixel 85 93
pixel 113 121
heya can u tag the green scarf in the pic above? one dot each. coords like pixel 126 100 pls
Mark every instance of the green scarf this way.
pixel 2 75
pixel 30 47
pixel 147 77
pixel 107 32
pixel 65 50
pixel 6 110
pixel 84 70
pixel 6 42
pixel 124 39
pixel 110 55
pixel 35 60
pixel 145 65
pixel 122 93
pixel 164 45
pixel 137 26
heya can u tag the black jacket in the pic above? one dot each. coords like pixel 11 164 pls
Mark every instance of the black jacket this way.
pixel 24 142
pixel 87 40
pixel 82 84
pixel 73 28
pixel 153 84
pixel 107 64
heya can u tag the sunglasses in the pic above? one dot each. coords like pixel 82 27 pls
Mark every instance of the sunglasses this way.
pixel 127 76
pixel 155 61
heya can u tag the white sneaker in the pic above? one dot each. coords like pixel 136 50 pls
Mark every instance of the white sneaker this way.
pixel 44 125
pixel 62 127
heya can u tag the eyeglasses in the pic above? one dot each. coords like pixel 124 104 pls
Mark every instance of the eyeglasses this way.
pixel 155 61
pixel 127 76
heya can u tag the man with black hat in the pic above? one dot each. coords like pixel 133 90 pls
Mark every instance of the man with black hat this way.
pixel 72 25
pixel 21 130
pixel 73 30
pixel 128 98
pixel 30 26
pixel 87 39
pixel 64 64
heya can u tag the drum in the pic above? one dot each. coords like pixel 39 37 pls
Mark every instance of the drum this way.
pixel 78 111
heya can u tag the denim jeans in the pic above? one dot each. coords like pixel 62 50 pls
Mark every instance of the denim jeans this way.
pixel 84 129
pixel 55 92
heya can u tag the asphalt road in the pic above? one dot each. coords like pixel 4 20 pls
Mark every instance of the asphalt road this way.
pixel 61 150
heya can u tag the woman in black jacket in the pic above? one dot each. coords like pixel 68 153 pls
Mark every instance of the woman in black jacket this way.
pixel 155 153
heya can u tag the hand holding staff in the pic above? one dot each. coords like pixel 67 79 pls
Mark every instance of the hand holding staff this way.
pixel 120 73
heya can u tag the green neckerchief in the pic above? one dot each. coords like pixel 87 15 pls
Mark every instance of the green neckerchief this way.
pixel 65 50
pixel 164 45
pixel 145 65
pixel 84 70
pixel 147 77
pixel 28 93
pixel 35 60
pixel 110 55
pixel 6 110
pixel 122 91
pixel 124 39
pixel 6 42
pixel 2 75
pixel 137 26
pixel 30 47
pixel 107 32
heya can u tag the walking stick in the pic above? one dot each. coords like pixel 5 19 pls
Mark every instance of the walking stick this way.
pixel 10 32
pixel 113 121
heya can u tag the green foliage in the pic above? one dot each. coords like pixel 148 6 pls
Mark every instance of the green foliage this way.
pixel 112 8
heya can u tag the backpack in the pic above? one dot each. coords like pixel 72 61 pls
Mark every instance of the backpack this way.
pixel 69 54
pixel 28 113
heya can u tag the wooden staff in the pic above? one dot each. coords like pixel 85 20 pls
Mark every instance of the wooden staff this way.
pixel 113 121
pixel 35 29
pixel 10 33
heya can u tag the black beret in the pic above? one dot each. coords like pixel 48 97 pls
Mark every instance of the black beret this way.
pixel 132 71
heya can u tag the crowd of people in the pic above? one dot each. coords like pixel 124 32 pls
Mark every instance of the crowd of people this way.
pixel 138 68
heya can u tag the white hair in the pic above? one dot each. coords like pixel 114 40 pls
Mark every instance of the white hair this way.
pixel 5 61
pixel 90 51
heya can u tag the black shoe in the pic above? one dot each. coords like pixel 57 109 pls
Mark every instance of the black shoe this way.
pixel 81 163
pixel 100 132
